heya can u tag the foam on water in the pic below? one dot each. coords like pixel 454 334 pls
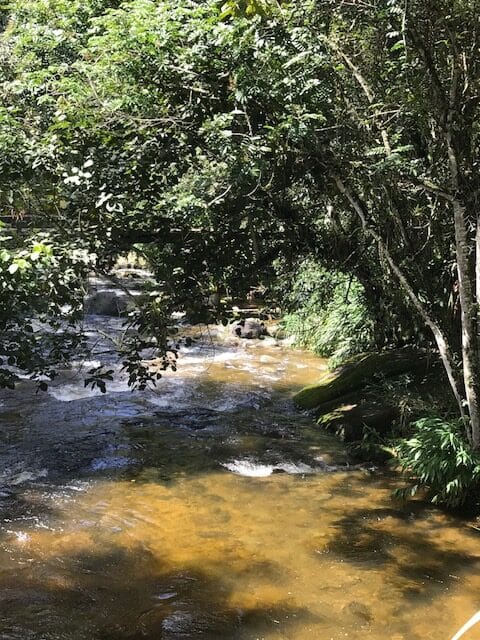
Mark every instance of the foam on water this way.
pixel 77 390
pixel 249 469
pixel 22 537
pixel 208 356
pixel 252 469
pixel 295 469
pixel 85 364
pixel 10 477
pixel 169 393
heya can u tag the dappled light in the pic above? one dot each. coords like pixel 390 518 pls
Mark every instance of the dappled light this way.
pixel 239 319
pixel 234 520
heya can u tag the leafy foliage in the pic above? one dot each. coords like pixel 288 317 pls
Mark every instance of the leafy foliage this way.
pixel 329 314
pixel 213 141
pixel 217 137
pixel 438 457
pixel 41 301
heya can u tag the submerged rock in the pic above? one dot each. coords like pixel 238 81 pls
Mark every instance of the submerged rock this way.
pixel 359 610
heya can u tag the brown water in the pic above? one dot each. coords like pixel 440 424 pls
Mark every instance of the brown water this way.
pixel 211 509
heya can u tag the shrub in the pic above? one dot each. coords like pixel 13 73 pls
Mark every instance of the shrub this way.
pixel 438 458
pixel 329 315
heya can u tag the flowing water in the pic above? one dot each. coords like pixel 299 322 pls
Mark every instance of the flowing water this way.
pixel 209 508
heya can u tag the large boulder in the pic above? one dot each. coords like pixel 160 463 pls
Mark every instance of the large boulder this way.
pixel 107 302
pixel 106 298
pixel 249 328
pixel 358 372
pixel 277 331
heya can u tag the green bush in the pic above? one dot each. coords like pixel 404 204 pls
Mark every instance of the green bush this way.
pixel 438 458
pixel 329 315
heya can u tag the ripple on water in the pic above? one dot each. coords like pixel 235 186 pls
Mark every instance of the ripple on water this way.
pixel 111 462
pixel 180 547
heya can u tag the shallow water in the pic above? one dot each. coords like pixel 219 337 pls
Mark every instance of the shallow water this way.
pixel 211 509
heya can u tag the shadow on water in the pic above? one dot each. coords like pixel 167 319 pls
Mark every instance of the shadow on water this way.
pixel 400 542
pixel 112 594
pixel 119 521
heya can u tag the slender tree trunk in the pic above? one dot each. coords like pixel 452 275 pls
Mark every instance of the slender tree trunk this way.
pixel 465 252
pixel 444 349
pixel 468 293
pixel 477 274
pixel 469 320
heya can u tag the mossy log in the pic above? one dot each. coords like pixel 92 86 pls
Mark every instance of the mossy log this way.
pixel 359 371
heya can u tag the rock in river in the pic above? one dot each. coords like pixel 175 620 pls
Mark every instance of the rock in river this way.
pixel 249 328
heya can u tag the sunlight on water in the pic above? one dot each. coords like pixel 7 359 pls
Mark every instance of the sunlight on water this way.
pixel 211 509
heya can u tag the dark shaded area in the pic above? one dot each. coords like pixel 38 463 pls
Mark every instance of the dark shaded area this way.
pixel 66 597
pixel 426 566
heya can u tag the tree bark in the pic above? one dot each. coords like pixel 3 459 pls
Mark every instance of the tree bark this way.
pixel 448 101
pixel 469 321
pixel 465 252
pixel 468 292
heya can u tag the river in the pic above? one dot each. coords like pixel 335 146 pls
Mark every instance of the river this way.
pixel 210 508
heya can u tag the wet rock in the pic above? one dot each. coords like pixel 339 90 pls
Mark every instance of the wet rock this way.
pixel 107 302
pixel 178 622
pixel 214 299
pixel 106 299
pixel 351 417
pixel 249 328
pixel 277 332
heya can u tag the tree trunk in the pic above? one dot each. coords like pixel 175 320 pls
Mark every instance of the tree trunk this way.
pixel 469 321
pixel 444 349
pixel 465 248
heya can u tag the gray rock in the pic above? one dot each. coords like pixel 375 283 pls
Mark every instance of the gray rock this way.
pixel 277 332
pixel 250 328
pixel 107 302
pixel 106 299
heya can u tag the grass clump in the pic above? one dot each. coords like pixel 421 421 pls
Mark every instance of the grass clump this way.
pixel 438 458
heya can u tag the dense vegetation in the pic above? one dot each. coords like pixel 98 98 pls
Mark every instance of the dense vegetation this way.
pixel 233 142
pixel 327 313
